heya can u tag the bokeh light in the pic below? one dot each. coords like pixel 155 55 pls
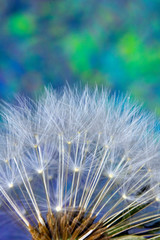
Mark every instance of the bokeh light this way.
pixel 111 43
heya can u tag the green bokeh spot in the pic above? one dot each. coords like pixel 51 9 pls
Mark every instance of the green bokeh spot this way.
pixel 140 59
pixel 130 45
pixel 21 24
pixel 80 48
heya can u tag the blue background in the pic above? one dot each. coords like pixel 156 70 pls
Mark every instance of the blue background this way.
pixel 114 43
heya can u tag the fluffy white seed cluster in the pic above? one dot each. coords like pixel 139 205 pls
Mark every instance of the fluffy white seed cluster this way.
pixel 92 153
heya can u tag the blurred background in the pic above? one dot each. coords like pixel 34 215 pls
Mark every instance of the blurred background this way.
pixel 111 43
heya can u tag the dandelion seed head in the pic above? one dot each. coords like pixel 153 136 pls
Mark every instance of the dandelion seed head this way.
pixel 79 166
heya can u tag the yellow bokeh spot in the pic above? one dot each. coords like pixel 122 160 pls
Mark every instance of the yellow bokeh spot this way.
pixel 39 171
pixel 76 169
pixel 10 185
pixel 124 196
pixel 58 208
pixel 110 175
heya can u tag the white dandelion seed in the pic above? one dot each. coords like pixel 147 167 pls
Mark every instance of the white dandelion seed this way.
pixel 79 167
